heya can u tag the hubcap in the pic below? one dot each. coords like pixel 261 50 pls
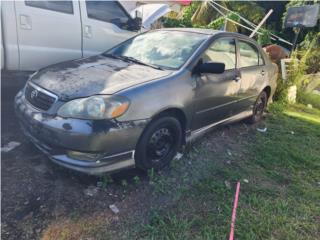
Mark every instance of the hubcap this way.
pixel 160 144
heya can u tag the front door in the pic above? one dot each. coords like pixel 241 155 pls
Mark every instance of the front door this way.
pixel 48 32
pixel 104 25
pixel 216 94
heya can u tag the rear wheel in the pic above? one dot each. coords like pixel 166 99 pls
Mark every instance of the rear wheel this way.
pixel 259 107
pixel 159 143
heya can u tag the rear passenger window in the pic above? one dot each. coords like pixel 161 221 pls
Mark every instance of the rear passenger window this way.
pixel 249 55
pixel 58 6
pixel 107 11
pixel 222 50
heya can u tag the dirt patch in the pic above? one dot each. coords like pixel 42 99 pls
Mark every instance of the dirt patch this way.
pixel 44 200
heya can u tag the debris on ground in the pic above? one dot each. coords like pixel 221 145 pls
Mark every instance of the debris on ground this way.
pixel 310 106
pixel 292 132
pixel 91 191
pixel 178 156
pixel 114 208
pixel 246 180
pixel 228 162
pixel 10 146
pixel 246 127
pixel 262 130
pixel 227 184
pixel 229 152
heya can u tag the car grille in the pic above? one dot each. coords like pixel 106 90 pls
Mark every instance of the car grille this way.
pixel 39 98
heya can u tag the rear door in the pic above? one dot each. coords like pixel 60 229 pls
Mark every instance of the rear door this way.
pixel 253 70
pixel 48 32
pixel 217 94
pixel 105 24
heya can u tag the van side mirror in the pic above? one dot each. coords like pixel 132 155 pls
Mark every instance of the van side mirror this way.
pixel 128 24
pixel 210 67
pixel 135 24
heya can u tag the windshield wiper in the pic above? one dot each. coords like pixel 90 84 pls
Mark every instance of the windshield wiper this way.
pixel 111 55
pixel 131 59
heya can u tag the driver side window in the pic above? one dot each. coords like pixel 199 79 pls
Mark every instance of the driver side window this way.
pixel 223 51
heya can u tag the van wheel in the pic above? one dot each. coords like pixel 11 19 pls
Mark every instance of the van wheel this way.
pixel 259 107
pixel 159 143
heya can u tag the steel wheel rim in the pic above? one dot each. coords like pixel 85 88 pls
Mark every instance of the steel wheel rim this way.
pixel 259 107
pixel 160 144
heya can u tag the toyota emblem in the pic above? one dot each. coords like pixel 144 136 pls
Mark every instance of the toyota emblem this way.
pixel 34 93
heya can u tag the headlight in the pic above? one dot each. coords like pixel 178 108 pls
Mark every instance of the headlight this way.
pixel 96 107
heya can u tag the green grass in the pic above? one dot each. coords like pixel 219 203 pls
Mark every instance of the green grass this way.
pixel 310 98
pixel 193 198
pixel 281 200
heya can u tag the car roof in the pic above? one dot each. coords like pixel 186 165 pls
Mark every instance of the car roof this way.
pixel 193 30
pixel 211 32
pixel 205 31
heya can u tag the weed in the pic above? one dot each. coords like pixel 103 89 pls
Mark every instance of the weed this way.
pixel 151 174
pixel 124 183
pixel 136 179
pixel 106 180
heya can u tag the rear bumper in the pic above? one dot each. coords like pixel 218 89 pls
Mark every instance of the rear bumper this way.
pixel 109 143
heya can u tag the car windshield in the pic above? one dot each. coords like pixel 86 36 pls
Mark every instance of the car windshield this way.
pixel 165 49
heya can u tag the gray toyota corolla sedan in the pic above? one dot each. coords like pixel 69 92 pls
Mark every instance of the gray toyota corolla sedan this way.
pixel 139 102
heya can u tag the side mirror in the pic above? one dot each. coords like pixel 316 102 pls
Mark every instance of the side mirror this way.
pixel 135 24
pixel 128 24
pixel 211 67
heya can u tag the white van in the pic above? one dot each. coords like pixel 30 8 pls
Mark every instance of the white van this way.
pixel 39 33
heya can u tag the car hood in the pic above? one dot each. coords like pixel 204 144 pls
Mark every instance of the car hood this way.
pixel 93 75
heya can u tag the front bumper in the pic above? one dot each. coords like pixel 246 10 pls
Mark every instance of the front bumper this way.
pixel 111 141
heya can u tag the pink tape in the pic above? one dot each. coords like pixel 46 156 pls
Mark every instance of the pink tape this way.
pixel 234 211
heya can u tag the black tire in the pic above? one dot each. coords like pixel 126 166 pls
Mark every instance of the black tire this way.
pixel 259 107
pixel 159 143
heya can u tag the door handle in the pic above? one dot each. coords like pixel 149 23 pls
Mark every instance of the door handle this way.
pixel 263 72
pixel 25 22
pixel 87 31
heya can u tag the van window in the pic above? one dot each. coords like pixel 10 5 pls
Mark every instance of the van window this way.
pixel 58 6
pixel 222 50
pixel 107 11
pixel 249 55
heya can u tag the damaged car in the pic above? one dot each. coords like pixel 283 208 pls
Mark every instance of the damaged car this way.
pixel 138 103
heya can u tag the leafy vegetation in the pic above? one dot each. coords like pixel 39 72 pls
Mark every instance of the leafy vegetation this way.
pixel 264 38
pixel 203 15
pixel 280 200
pixel 303 61
pixel 309 98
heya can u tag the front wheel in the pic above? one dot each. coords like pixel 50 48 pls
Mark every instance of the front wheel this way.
pixel 259 107
pixel 159 143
